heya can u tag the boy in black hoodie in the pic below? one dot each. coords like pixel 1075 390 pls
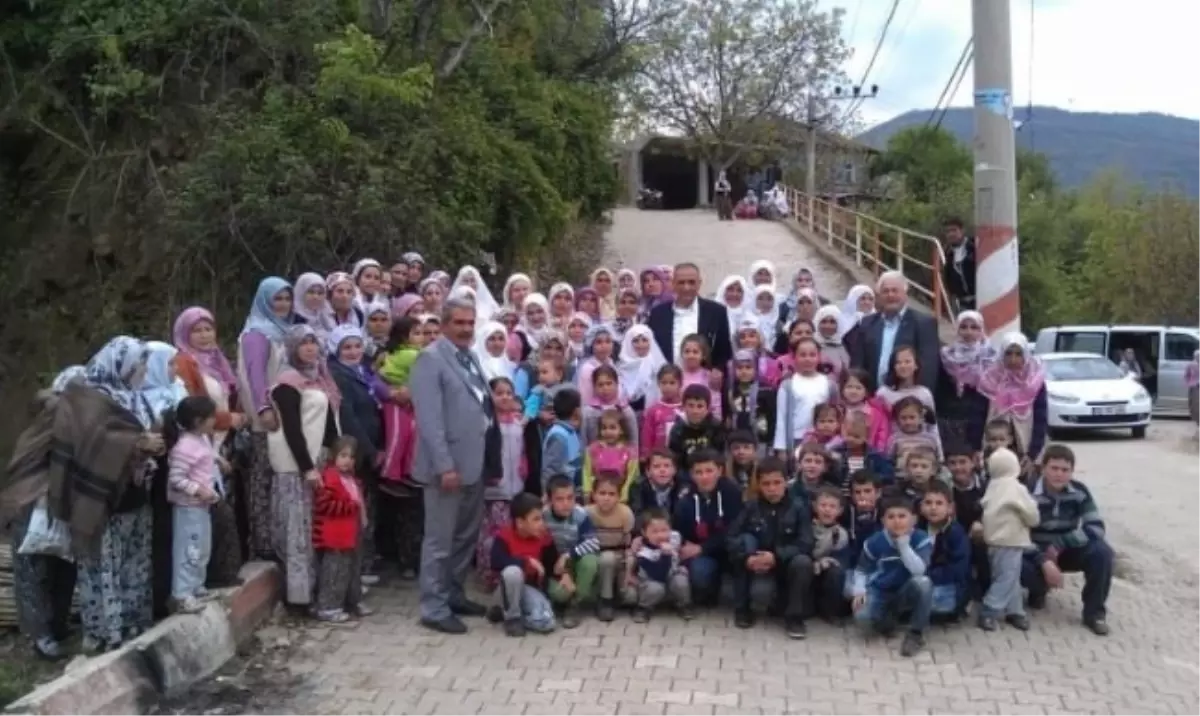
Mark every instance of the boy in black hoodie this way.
pixel 770 548
pixel 697 428
pixel 702 520
pixel 660 487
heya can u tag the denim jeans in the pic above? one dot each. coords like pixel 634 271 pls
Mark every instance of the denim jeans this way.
pixel 191 546
pixel 527 603
pixel 884 609
pixel 705 574
pixel 1094 560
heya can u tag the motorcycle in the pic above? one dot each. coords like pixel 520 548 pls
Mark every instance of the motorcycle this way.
pixel 649 199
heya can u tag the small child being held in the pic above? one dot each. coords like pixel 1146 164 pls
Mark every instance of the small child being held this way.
pixel 549 378
pixel 655 574
pixel 339 518
pixel 191 490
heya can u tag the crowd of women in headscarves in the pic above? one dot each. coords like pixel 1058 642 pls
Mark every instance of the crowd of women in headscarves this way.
pixel 321 358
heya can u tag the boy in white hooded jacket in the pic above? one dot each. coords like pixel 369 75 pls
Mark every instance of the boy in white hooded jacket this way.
pixel 1009 512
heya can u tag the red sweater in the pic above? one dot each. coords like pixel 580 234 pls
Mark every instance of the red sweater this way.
pixel 511 549
pixel 336 513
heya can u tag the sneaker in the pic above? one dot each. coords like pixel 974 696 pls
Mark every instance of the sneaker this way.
pixel 605 611
pixel 1018 621
pixel 687 612
pixel 514 627
pixel 361 610
pixel 332 616
pixel 188 605
pixel 48 649
pixel 495 614
pixel 914 641
pixel 1098 626
pixel 794 628
pixel 641 615
pixel 743 619
pixel 988 623
pixel 570 617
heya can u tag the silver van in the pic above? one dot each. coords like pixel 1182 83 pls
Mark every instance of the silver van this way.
pixel 1163 351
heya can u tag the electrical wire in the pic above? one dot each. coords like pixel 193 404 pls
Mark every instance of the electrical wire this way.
pixel 1029 108
pixel 946 94
pixel 957 83
pixel 855 104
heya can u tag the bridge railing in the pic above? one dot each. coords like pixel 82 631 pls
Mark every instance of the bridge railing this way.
pixel 876 245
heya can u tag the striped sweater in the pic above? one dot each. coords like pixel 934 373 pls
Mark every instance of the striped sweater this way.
pixel 573 534
pixel 1069 518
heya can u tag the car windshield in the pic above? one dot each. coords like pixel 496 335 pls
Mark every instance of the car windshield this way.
pixel 1082 369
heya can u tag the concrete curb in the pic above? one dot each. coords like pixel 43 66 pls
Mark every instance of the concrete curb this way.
pixel 167 659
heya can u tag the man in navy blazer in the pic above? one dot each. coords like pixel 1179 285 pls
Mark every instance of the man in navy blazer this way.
pixel 672 322
pixel 869 348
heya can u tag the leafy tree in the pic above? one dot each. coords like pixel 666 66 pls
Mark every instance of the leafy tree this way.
pixel 735 75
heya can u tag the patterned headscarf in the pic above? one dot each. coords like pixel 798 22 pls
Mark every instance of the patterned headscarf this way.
pixel 966 362
pixel 212 361
pixel 262 316
pixel 111 372
pixel 308 376
pixel 1013 392
pixel 72 374
pixel 162 389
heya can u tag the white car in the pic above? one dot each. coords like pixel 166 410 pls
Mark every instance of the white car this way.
pixel 1087 391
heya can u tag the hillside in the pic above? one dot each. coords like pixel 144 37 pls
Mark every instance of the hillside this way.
pixel 1157 150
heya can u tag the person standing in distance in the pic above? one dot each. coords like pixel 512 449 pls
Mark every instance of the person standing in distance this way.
pixel 457 441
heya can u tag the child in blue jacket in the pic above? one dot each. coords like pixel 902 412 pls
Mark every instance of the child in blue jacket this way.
pixel 702 519
pixel 950 561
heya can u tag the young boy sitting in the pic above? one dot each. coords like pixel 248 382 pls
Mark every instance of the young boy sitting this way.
pixel 770 544
pixel 577 544
pixel 1069 538
pixel 697 428
pixel 702 520
pixel 614 530
pixel 562 449
pixel 661 486
pixel 531 572
pixel 1008 514
pixel 890 579
pixel 950 562
pixel 831 546
pixel 654 573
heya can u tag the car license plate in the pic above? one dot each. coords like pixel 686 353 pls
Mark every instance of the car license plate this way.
pixel 1109 410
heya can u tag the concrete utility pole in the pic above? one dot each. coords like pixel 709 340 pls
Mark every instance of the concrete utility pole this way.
pixel 811 138
pixel 997 274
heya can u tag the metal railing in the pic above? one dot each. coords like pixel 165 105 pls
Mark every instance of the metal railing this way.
pixel 876 245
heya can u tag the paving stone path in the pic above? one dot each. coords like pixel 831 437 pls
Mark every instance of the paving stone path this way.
pixel 1147 489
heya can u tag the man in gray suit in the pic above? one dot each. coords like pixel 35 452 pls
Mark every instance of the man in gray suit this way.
pixel 455 420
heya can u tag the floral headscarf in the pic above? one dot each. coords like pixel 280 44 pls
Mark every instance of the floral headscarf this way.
pixel 966 362
pixel 69 375
pixel 162 389
pixel 595 332
pixel 305 376
pixel 262 318
pixel 111 372
pixel 1013 392
pixel 212 361
pixel 441 277
pixel 630 274
pixel 649 301
pixel 606 304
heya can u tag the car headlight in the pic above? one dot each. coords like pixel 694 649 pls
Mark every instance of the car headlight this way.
pixel 1062 398
pixel 1141 396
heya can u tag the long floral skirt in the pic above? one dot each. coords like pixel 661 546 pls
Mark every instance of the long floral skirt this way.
pixel 291 516
pixel 43 588
pixel 258 498
pixel 116 585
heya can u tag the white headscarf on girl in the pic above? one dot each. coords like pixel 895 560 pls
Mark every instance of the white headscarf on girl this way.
pixel 493 366
pixel 535 334
pixel 830 311
pixel 735 314
pixel 765 320
pixel 850 313
pixel 485 304
pixel 361 299
pixel 639 374
pixel 761 265
pixel 512 281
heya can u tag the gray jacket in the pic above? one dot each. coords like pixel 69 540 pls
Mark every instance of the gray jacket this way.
pixel 451 416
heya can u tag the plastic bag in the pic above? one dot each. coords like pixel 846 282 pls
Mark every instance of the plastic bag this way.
pixel 46 536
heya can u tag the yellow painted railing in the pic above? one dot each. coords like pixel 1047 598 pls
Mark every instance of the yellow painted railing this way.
pixel 876 245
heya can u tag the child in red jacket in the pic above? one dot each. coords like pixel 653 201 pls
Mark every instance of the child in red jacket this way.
pixel 338 522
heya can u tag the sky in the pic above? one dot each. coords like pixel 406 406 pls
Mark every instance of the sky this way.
pixel 1097 55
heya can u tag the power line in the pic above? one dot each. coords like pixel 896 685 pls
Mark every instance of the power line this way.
pixel 946 94
pixel 957 83
pixel 1029 107
pixel 875 55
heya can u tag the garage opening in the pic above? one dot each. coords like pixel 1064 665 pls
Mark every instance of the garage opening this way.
pixel 669 170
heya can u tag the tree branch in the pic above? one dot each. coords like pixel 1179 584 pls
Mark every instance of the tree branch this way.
pixel 483 20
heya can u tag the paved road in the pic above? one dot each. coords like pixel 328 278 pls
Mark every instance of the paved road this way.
pixel 1148 490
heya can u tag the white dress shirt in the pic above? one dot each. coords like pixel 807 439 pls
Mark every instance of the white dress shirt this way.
pixel 686 322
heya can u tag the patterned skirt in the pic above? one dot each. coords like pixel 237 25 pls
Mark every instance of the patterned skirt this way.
pixel 116 585
pixel 43 588
pixel 258 498
pixel 291 518
pixel 496 514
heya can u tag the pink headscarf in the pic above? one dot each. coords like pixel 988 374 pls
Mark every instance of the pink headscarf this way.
pixel 1013 392
pixel 211 361
pixel 402 304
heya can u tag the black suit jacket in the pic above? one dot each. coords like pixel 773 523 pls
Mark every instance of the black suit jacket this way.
pixel 918 330
pixel 712 323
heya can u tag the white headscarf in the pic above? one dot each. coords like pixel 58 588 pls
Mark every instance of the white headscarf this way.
pixel 493 366
pixel 161 389
pixel 827 312
pixel 850 312
pixel 535 334
pixel 321 319
pixel 735 314
pixel 759 266
pixel 639 374
pixel 765 320
pixel 485 304
pixel 513 280
pixel 361 299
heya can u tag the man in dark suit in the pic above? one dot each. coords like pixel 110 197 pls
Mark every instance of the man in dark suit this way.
pixel 895 324
pixel 672 322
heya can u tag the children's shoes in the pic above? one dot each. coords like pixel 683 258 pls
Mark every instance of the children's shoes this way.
pixel 605 611
pixel 913 642
pixel 514 627
pixel 987 623
pixel 641 615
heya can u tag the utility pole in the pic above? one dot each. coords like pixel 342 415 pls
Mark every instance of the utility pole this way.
pixel 810 143
pixel 997 273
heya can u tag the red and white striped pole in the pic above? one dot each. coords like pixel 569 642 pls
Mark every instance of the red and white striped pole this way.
pixel 997 272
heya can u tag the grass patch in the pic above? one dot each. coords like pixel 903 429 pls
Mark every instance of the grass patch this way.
pixel 20 671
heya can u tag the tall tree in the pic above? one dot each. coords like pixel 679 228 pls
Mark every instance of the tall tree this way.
pixel 736 75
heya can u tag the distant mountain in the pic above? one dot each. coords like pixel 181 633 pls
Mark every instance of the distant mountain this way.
pixel 1156 150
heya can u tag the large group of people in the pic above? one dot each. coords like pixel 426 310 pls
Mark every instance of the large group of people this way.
pixel 622 445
